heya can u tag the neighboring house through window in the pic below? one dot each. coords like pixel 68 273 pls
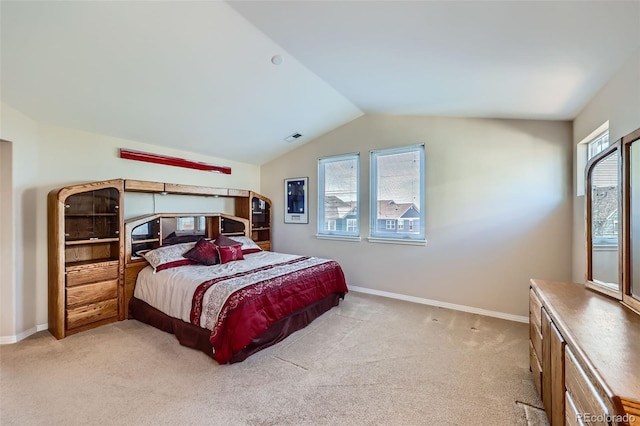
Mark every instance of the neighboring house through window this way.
pixel 397 194
pixel 338 197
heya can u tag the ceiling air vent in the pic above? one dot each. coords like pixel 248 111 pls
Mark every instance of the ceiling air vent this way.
pixel 292 137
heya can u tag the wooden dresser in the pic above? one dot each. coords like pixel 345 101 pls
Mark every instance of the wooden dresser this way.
pixel 584 355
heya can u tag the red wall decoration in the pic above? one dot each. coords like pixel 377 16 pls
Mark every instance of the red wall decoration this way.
pixel 171 161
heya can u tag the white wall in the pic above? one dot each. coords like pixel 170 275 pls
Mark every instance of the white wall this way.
pixel 619 102
pixel 498 203
pixel 47 157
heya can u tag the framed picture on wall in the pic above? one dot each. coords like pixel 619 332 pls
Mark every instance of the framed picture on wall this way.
pixel 296 200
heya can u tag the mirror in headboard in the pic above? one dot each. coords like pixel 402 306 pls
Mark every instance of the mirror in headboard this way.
pixel 152 231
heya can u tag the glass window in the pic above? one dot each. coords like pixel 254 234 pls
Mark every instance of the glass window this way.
pixel 338 197
pixel 397 193
pixel 599 144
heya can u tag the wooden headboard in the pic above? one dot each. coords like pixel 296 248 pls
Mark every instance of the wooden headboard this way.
pixel 146 232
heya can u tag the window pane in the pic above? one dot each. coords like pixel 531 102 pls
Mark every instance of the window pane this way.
pixel 338 195
pixel 397 179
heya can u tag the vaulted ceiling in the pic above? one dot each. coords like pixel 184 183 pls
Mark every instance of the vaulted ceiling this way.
pixel 200 76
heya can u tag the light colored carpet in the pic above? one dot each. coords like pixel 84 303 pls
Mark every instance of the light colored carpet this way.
pixel 370 361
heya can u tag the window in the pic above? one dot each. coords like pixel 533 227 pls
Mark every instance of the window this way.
pixel 338 196
pixel 599 144
pixel 400 225
pixel 397 194
pixel 591 145
pixel 185 224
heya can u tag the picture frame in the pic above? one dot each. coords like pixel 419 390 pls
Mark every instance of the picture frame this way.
pixel 296 200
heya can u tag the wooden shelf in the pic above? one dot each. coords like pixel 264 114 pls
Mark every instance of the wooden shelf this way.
pixel 103 262
pixel 88 214
pixel 151 240
pixel 234 233
pixel 92 241
pixel 264 228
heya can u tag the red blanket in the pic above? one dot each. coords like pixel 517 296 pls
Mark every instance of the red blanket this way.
pixel 254 307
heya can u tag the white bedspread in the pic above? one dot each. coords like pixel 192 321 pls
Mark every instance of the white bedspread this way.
pixel 171 291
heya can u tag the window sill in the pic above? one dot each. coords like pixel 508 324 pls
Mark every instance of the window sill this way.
pixel 338 237
pixel 401 241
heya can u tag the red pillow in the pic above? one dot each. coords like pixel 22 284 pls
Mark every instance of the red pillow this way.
pixel 204 252
pixel 230 253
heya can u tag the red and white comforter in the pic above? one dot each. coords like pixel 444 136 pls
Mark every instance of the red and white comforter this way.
pixel 239 300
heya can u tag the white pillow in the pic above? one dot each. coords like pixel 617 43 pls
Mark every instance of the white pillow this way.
pixel 169 256
pixel 248 245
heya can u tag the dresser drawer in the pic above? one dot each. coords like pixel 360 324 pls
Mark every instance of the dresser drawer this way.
pixel 536 368
pixel 91 273
pixel 536 339
pixel 91 313
pixel 535 307
pixel 582 393
pixel 91 293
pixel 572 417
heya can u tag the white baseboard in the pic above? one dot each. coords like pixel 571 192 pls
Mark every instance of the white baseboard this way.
pixel 4 340
pixel 430 302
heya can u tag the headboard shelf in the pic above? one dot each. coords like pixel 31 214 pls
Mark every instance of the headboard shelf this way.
pixel 131 185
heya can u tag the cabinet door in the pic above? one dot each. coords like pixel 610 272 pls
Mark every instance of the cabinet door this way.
pixel 552 371
pixel 557 377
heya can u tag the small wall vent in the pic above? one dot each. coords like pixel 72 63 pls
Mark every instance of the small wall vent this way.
pixel 292 137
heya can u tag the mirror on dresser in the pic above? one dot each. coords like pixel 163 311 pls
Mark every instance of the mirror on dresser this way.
pixel 603 224
pixel 631 223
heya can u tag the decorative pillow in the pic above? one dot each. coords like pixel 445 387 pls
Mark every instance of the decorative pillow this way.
pixel 204 252
pixel 230 253
pixel 248 245
pixel 224 241
pixel 169 256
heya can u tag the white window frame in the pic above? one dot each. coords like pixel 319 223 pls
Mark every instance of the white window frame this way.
pixel 331 225
pixel 391 224
pixel 353 224
pixel 400 224
pixel 583 156
pixel 322 233
pixel 388 237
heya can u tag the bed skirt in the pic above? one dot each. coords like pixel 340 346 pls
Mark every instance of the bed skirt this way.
pixel 196 337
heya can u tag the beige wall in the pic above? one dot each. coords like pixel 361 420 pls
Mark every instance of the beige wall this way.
pixel 619 103
pixel 47 157
pixel 498 203
pixel 6 240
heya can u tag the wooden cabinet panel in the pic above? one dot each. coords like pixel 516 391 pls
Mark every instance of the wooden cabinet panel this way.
pixel 546 363
pixel 582 391
pixel 91 293
pixel 536 368
pixel 143 186
pixel 92 313
pixel 535 308
pixel 92 273
pixel 264 245
pixel 536 339
pixel 557 377
pixel 572 418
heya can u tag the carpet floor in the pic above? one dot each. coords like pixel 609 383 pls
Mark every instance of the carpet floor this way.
pixel 369 361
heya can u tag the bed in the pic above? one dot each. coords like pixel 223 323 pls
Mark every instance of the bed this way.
pixel 233 309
